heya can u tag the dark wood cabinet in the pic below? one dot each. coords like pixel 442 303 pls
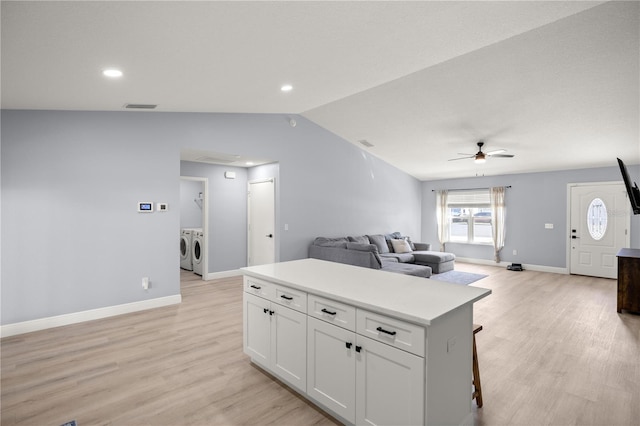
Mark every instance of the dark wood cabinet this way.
pixel 629 280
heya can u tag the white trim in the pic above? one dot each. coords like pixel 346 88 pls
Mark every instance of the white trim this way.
pixel 93 314
pixel 223 274
pixel 538 268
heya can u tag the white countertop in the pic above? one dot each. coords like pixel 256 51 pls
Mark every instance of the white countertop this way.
pixel 414 299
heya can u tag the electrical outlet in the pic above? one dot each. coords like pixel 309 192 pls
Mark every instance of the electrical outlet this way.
pixel 515 252
pixel 145 283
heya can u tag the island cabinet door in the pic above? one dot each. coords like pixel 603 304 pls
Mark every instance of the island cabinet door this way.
pixel 289 346
pixel 257 329
pixel 331 367
pixel 389 385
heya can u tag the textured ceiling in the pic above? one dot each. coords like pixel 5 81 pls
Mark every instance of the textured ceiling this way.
pixel 554 83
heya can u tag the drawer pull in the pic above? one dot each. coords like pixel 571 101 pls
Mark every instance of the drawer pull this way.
pixel 349 344
pixel 257 287
pixel 382 330
pixel 285 297
pixel 328 312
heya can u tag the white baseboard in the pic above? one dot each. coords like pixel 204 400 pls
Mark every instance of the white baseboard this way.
pixel 223 274
pixel 93 314
pixel 539 268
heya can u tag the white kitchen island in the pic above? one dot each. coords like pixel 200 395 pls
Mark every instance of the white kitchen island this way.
pixel 367 346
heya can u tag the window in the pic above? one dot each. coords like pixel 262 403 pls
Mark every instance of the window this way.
pixel 469 215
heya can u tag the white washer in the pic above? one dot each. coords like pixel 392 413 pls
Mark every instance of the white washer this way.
pixel 197 250
pixel 186 236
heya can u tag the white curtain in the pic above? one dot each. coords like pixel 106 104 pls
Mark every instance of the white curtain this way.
pixel 442 217
pixel 498 213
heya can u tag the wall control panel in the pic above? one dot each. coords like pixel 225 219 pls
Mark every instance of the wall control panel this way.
pixel 145 207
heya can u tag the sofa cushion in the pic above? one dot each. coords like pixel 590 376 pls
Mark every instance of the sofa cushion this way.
pixel 401 246
pixel 401 257
pixel 380 241
pixel 331 242
pixel 408 269
pixel 365 247
pixel 433 256
pixel 362 239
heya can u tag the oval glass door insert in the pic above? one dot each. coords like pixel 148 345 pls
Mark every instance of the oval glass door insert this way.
pixel 597 219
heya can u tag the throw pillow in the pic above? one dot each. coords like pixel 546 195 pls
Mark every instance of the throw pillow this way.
pixel 401 246
pixel 362 239
pixel 408 239
pixel 380 242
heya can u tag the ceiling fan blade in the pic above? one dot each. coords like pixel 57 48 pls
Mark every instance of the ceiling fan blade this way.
pixel 497 151
pixel 467 154
pixel 462 158
pixel 503 155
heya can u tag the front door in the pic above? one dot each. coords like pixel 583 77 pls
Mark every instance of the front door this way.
pixel 261 231
pixel 599 228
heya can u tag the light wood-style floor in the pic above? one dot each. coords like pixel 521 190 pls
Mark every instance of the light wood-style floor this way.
pixel 553 351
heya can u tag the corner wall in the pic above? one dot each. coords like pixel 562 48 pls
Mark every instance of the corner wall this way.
pixel 72 240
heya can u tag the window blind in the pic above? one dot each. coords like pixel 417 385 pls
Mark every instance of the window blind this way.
pixel 468 198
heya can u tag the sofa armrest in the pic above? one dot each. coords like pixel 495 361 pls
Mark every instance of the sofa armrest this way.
pixel 365 259
pixel 422 246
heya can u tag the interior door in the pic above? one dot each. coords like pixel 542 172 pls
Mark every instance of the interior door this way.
pixel 261 230
pixel 599 228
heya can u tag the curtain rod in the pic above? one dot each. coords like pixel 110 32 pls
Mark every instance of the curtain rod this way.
pixel 465 189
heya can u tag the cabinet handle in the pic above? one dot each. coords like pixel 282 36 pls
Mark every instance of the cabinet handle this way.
pixel 358 348
pixel 272 312
pixel 257 287
pixel 286 297
pixel 266 310
pixel 349 344
pixel 328 312
pixel 382 330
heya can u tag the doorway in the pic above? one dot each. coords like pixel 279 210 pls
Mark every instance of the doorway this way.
pixel 261 222
pixel 194 214
pixel 599 224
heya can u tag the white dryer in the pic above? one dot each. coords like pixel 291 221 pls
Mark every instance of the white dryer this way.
pixel 186 236
pixel 197 251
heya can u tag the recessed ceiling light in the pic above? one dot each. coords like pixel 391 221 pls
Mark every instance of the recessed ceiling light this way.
pixel 112 72
pixel 249 163
pixel 286 88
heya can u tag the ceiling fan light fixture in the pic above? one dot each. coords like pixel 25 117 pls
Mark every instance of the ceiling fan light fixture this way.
pixel 480 159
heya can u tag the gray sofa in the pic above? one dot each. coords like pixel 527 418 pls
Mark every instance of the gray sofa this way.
pixel 390 252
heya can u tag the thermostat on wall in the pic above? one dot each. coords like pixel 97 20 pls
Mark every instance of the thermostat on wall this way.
pixel 145 207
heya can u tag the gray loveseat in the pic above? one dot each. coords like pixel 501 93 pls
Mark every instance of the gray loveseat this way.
pixel 390 252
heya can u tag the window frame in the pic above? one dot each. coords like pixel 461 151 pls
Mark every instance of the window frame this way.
pixel 469 203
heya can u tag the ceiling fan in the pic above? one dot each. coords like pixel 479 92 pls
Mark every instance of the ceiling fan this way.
pixel 480 157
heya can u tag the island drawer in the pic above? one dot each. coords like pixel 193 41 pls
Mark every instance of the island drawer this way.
pixel 258 287
pixel 294 299
pixel 332 312
pixel 395 332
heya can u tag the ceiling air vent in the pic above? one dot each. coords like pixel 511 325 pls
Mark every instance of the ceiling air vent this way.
pixel 366 143
pixel 140 106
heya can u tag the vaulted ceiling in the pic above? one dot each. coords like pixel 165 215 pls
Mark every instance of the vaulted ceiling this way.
pixel 554 83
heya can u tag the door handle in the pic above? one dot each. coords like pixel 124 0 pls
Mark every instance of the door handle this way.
pixel 269 235
pixel 573 237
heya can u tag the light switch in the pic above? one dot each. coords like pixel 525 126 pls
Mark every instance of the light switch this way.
pixel 548 226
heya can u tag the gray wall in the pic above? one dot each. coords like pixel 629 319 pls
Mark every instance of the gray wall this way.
pixel 533 200
pixel 190 209
pixel 73 241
